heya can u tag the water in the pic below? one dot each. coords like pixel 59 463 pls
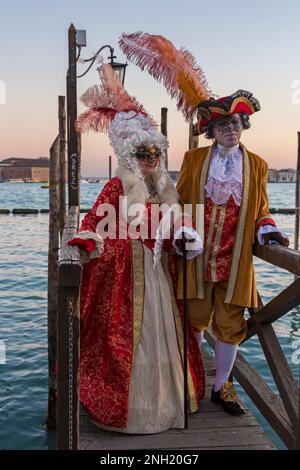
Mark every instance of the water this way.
pixel 23 312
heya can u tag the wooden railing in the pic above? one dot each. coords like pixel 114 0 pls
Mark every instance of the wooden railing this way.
pixel 282 412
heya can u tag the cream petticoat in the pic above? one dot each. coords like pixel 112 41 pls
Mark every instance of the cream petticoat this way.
pixel 156 384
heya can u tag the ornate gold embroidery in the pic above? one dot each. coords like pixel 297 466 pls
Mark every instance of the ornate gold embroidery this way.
pixel 138 290
pixel 240 228
pixel 178 325
pixel 213 262
pixel 209 236
pixel 154 196
pixel 200 258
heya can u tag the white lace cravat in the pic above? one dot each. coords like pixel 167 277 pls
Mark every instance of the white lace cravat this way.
pixel 225 175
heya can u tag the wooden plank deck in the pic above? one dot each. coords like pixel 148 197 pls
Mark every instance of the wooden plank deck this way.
pixel 209 429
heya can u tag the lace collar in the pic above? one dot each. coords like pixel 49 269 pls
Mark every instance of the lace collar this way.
pixel 225 174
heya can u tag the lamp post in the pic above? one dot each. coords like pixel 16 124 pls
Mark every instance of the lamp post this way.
pixel 77 40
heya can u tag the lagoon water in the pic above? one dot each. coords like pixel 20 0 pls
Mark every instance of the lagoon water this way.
pixel 23 312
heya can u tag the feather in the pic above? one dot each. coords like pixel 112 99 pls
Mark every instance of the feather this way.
pixel 95 120
pixel 104 102
pixel 121 100
pixel 177 69
pixel 95 97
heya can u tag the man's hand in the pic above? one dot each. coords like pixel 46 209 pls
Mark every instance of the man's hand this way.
pixel 276 236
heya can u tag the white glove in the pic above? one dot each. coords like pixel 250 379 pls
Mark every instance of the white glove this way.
pixel 268 229
pixel 194 248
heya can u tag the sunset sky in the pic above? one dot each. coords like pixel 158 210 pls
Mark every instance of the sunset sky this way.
pixel 239 44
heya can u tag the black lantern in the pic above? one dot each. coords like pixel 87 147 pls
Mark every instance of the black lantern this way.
pixel 118 68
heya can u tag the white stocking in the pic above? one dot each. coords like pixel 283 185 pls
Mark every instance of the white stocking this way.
pixel 225 357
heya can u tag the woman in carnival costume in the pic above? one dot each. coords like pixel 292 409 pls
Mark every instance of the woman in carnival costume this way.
pixel 131 364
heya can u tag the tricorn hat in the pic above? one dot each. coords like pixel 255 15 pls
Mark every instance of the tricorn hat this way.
pixel 241 102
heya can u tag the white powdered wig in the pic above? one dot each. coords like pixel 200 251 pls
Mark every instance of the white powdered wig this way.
pixel 128 131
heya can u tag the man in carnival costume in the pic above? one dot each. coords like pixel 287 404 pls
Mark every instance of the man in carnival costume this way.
pixel 131 340
pixel 229 185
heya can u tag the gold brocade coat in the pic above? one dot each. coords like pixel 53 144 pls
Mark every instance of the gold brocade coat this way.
pixel 254 207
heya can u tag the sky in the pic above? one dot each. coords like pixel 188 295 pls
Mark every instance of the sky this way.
pixel 239 44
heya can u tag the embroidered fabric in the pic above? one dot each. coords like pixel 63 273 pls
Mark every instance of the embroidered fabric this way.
pixel 225 175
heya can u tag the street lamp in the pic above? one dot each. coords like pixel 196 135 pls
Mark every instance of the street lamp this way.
pixel 77 40
pixel 118 67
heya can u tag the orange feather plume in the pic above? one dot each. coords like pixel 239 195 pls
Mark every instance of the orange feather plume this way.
pixel 177 69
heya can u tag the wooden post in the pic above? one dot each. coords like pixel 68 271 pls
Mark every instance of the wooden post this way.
pixel 164 127
pixel 297 216
pixel 62 162
pixel 73 158
pixel 193 139
pixel 79 173
pixel 109 167
pixel 68 338
pixel 53 280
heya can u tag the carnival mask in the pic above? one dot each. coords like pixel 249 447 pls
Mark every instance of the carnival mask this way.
pixel 145 153
pixel 228 123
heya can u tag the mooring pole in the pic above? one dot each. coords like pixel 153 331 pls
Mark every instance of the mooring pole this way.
pixel 297 199
pixel 54 204
pixel 164 127
pixel 109 166
pixel 62 162
pixel 193 138
pixel 73 154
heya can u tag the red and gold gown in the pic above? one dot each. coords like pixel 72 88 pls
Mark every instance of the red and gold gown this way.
pixel 131 340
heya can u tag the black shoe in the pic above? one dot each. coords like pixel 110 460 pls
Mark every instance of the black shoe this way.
pixel 227 397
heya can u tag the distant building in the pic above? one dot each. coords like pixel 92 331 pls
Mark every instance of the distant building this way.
pixel 25 169
pixel 272 175
pixel 286 175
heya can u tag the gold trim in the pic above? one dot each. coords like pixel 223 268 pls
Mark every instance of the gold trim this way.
pixel 179 331
pixel 236 100
pixel 219 110
pixel 138 291
pixel 209 237
pixel 213 261
pixel 236 254
pixel 200 258
pixel 243 99
pixel 262 218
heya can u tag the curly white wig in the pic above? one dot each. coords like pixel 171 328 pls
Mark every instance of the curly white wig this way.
pixel 127 132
